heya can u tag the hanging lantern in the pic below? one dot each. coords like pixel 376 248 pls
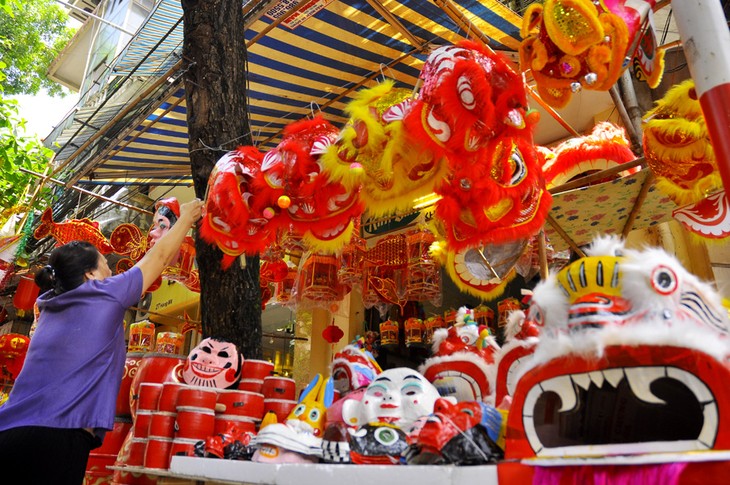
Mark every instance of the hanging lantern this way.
pixel 318 279
pixel 484 316
pixel 332 334
pixel 389 333
pixel 283 289
pixel 352 258
pixel 25 295
pixel 274 271
pixel 13 347
pixel 414 331
pixel 430 325
pixel 505 307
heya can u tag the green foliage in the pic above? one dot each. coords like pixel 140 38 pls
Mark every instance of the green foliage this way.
pixel 18 151
pixel 32 33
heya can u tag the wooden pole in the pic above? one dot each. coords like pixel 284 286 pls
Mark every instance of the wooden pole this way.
pixel 648 182
pixel 561 232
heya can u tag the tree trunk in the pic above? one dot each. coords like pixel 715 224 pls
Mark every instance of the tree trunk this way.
pixel 215 70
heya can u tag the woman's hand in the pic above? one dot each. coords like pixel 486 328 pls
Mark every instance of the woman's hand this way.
pixel 190 212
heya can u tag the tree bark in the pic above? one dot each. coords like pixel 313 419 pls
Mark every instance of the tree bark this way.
pixel 215 71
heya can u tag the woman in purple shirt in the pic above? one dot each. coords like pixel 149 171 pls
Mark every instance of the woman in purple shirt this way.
pixel 64 399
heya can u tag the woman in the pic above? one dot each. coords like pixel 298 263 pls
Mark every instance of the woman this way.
pixel 64 399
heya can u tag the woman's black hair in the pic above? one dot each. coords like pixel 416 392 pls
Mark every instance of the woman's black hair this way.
pixel 67 267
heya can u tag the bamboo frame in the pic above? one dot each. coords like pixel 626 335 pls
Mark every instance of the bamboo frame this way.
pixel 561 232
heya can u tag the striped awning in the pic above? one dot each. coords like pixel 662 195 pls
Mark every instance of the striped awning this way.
pixel 311 62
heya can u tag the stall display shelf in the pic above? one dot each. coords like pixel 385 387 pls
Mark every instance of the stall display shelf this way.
pixel 246 472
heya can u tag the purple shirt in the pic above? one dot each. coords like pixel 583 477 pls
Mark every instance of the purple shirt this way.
pixel 74 366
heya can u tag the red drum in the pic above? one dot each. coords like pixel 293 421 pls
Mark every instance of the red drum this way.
pixel 104 456
pixel 156 368
pixel 183 447
pixel 197 397
pixel 127 477
pixel 251 385
pixel 130 370
pixel 168 396
pixel 256 369
pixel 149 395
pixel 137 449
pixel 157 454
pixel 162 425
pixel 280 407
pixel 194 423
pixel 142 423
pixel 279 388
pixel 242 403
pixel 222 421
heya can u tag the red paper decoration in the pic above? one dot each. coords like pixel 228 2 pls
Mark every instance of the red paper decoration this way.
pixel 332 333
pixel 25 294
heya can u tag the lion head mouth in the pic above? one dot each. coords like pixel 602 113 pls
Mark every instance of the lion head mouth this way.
pixel 636 406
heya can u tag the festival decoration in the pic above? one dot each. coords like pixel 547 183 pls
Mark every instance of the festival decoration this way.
pixel 377 444
pixel 521 337
pixel 72 230
pixel 128 240
pixel 413 331
pixel 483 272
pixel 574 44
pixel 301 433
pixel 376 152
pixel 13 348
pixel 472 109
pixel 679 152
pixel 397 396
pixel 605 147
pixel 320 208
pixel 141 337
pixel 213 363
pixel 638 330
pixel 25 296
pixel 462 359
pixel 332 333
pixel 464 433
pixel 389 330
pixel 353 367
pixel 317 282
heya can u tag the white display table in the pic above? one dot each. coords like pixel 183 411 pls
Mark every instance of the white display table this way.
pixel 244 472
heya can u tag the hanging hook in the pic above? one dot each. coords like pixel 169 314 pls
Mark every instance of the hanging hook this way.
pixel 312 104
pixel 390 71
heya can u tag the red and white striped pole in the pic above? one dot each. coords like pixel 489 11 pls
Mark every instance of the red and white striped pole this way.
pixel 706 42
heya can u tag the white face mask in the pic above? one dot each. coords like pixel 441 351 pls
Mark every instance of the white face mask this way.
pixel 398 396
pixel 212 364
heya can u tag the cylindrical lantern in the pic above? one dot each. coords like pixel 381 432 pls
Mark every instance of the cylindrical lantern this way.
pixel 414 331
pixel 25 295
pixel 141 337
pixel 169 343
pixel 389 334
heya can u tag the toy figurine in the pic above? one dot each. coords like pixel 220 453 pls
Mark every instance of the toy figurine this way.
pixel 299 438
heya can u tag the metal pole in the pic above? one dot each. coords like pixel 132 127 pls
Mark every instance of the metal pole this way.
pixel 706 41
pixel 95 17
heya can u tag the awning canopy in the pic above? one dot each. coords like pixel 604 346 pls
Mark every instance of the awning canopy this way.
pixel 311 62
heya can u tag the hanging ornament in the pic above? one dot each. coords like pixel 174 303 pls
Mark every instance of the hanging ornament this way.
pixel 332 334
pixel 73 230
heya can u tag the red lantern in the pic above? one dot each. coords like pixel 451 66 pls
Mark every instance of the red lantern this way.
pixel 25 294
pixel 332 333
pixel 13 347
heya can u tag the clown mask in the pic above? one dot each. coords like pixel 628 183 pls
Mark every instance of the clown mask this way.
pixel 397 396
pixel 213 363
